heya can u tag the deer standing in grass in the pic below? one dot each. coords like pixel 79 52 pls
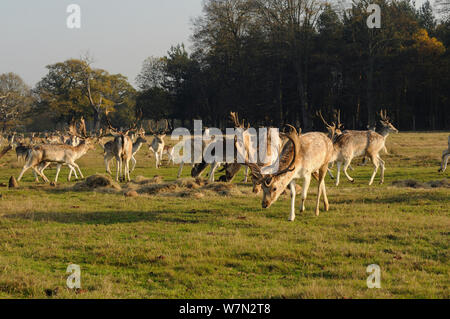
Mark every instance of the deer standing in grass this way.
pixel 40 156
pixel 301 157
pixel 445 157
pixel 109 153
pixel 158 146
pixel 352 144
pixel 247 149
pixel 122 150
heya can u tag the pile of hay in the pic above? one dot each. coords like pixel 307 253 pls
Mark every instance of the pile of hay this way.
pixel 98 182
pixel 188 187
pixel 411 183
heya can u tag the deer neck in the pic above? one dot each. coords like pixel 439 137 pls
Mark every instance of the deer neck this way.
pixel 384 132
pixel 137 146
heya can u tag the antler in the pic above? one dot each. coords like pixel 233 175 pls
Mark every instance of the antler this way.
pixel 235 118
pixel 319 114
pixel 339 125
pixel 293 136
pixel 384 116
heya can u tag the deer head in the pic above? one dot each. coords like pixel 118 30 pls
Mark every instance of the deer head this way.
pixel 333 130
pixel 386 123
pixel 273 185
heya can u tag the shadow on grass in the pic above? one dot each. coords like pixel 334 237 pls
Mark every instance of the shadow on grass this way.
pixel 111 218
pixel 410 197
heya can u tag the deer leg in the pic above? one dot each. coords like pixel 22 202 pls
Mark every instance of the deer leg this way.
pixel 71 171
pixel 330 173
pixel 293 194
pixel 107 161
pixel 212 172
pixel 338 174
pixel 78 168
pixel 324 191
pixel 127 171
pixel 306 184
pixel 58 169
pixel 382 164
pixel 157 159
pixel 41 174
pixel 180 170
pixel 133 160
pixel 346 165
pixel 375 171
pixel 246 174
pixel 444 163
pixel 24 169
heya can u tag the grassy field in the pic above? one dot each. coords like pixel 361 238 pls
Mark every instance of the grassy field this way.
pixel 227 246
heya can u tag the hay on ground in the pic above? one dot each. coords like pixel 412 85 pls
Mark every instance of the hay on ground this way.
pixel 97 182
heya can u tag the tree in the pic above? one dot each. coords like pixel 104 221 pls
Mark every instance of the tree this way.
pixel 15 99
pixel 74 89
pixel 152 74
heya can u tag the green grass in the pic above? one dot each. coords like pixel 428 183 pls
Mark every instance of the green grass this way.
pixel 229 247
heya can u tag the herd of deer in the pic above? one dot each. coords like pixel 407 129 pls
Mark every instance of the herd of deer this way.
pixel 297 155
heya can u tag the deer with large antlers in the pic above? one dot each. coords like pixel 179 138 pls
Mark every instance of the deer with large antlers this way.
pixel 445 157
pixel 353 144
pixel 334 131
pixel 158 146
pixel 301 157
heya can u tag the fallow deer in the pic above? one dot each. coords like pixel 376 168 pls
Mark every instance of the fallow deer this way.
pixel 109 154
pixel 445 157
pixel 303 156
pixel 158 144
pixel 122 149
pixel 353 144
pixel 40 157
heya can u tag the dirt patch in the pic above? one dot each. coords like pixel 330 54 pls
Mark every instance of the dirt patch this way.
pixel 99 183
pixel 411 183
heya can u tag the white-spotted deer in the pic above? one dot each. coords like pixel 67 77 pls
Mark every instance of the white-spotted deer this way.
pixel 39 157
pixel 351 144
pixel 301 157
pixel 109 154
pixel 158 144
pixel 122 150
pixel 445 157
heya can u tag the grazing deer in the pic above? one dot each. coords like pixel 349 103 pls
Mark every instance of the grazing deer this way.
pixel 301 157
pixel 445 157
pixel 109 155
pixel 247 149
pixel 353 144
pixel 158 144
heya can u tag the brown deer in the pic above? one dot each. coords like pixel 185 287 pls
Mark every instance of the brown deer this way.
pixel 158 146
pixel 445 157
pixel 39 157
pixel 351 144
pixel 301 157
pixel 122 150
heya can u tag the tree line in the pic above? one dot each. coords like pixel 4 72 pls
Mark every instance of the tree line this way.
pixel 275 62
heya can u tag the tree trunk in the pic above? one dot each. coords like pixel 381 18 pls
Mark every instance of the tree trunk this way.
pixel 371 121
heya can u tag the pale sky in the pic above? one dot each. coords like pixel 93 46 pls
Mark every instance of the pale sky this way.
pixel 119 34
